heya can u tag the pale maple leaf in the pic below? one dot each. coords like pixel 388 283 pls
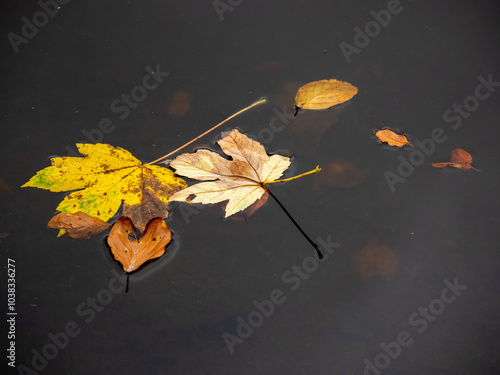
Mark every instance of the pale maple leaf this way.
pixel 240 181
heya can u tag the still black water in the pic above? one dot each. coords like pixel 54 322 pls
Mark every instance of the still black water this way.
pixel 249 298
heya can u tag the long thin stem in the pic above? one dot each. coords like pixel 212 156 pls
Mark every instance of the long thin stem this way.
pixel 209 130
pixel 316 247
pixel 295 177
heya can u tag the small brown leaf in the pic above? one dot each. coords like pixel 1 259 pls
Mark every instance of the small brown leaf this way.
pixel 324 94
pixel 393 139
pixel 78 225
pixel 132 252
pixel 459 159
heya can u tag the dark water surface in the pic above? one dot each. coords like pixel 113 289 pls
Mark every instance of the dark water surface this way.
pixel 425 302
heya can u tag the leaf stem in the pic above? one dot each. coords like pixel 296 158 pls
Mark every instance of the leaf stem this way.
pixel 263 100
pixel 316 247
pixel 316 170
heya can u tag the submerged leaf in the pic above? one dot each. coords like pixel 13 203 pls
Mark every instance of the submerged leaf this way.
pixel 324 94
pixel 109 175
pixel 133 252
pixel 376 260
pixel 179 105
pixel 340 174
pixel 392 138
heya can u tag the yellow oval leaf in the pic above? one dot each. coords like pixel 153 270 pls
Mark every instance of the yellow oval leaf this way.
pixel 324 94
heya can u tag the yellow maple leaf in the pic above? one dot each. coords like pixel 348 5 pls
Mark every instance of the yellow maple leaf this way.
pixel 240 181
pixel 109 175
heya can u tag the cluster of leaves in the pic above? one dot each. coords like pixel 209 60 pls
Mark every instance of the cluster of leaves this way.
pixel 106 177
pixel 460 159
pixel 326 93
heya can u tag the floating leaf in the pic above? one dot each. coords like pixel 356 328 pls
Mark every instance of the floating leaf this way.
pixel 240 181
pixel 78 225
pixel 324 94
pixel 392 138
pixel 109 175
pixel 459 159
pixel 133 252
